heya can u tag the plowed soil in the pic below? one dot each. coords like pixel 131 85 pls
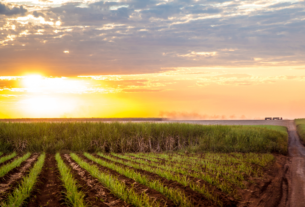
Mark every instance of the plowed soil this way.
pixel 8 161
pixel 226 200
pixel 95 193
pixel 197 198
pixel 272 190
pixel 14 177
pixel 49 188
pixel 137 187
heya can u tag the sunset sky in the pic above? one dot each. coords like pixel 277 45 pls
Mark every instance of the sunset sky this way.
pixel 183 59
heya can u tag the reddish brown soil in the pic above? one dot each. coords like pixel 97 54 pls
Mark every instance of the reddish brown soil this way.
pixel 270 190
pixel 14 177
pixel 49 188
pixel 225 199
pixel 197 198
pixel 137 187
pixel 95 193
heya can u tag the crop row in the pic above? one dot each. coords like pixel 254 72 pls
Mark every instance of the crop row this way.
pixel 177 196
pixel 231 169
pixel 135 178
pixel 7 157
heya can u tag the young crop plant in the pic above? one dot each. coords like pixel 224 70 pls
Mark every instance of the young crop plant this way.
pixel 7 157
pixel 177 196
pixel 117 187
pixel 222 162
pixel 205 173
pixel 16 163
pixel 166 173
pixel 17 198
pixel 75 197
pixel 214 164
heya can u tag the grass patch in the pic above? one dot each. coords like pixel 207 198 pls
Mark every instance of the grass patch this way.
pixel 17 198
pixel 300 124
pixel 74 196
pixel 140 137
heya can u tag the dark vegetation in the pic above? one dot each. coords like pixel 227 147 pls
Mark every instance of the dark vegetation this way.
pixel 300 124
pixel 139 137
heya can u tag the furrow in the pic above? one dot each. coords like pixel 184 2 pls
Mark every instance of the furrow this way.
pixel 74 197
pixel 49 189
pixel 177 196
pixel 96 193
pixel 13 178
pixel 189 172
pixel 215 178
pixel 171 180
pixel 224 174
pixel 185 180
pixel 17 198
pixel 10 166
pixel 8 158
pixel 122 187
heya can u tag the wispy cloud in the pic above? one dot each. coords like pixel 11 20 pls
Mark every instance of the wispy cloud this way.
pixel 133 37
pixel 9 10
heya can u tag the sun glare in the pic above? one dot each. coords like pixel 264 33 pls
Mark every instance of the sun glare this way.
pixel 41 84
pixel 42 104
pixel 45 95
pixel 32 81
pixel 46 106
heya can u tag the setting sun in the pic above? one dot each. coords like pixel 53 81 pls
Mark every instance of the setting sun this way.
pixel 32 81
pixel 50 97
pixel 222 63
pixel 46 106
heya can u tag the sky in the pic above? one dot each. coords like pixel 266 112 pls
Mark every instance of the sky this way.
pixel 180 59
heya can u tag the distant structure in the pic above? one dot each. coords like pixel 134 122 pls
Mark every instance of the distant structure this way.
pixel 274 118
pixel 277 118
